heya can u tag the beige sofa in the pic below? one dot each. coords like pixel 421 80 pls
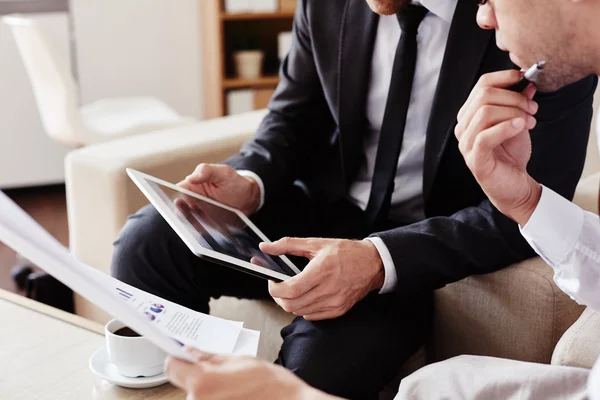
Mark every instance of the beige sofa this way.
pixel 516 313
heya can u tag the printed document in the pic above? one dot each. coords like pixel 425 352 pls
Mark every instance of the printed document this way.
pixel 168 325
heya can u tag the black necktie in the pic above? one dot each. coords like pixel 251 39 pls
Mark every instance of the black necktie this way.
pixel 394 120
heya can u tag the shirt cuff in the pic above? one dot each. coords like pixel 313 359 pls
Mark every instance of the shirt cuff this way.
pixel 261 185
pixel 554 227
pixel 391 276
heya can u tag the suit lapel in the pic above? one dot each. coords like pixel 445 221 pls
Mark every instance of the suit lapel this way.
pixel 465 50
pixel 359 28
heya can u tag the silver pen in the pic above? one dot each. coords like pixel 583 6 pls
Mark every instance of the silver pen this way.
pixel 530 76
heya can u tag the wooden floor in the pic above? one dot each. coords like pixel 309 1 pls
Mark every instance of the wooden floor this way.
pixel 48 207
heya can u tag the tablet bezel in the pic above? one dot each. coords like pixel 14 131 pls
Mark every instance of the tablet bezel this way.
pixel 140 179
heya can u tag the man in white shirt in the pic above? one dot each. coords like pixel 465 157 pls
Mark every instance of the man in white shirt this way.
pixel 357 160
pixel 496 146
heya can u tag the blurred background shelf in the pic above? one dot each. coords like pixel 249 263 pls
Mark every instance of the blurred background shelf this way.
pixel 255 16
pixel 224 33
pixel 238 83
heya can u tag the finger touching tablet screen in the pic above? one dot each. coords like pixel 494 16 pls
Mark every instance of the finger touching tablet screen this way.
pixel 213 230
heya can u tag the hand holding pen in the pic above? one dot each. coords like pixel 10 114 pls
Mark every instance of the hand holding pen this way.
pixel 530 76
pixel 493 135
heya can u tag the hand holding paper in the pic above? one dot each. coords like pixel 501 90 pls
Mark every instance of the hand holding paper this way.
pixel 173 326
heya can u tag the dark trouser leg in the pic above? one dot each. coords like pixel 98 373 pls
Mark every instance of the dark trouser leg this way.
pixel 149 255
pixel 356 355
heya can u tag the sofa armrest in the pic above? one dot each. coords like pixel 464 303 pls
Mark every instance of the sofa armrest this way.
pixel 587 193
pixel 580 345
pixel 100 195
pixel 517 313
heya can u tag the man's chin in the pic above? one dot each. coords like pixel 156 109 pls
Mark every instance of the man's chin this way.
pixel 547 84
pixel 387 7
pixel 554 79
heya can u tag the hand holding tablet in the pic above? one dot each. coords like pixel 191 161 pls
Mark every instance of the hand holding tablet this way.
pixel 213 230
pixel 223 184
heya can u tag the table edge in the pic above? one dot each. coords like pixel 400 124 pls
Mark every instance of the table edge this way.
pixel 52 312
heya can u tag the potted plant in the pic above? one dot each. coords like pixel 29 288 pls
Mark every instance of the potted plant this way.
pixel 248 58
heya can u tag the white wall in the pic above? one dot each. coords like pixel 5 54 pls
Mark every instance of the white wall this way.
pixel 140 47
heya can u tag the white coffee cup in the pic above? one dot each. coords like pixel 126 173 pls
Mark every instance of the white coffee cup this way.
pixel 132 356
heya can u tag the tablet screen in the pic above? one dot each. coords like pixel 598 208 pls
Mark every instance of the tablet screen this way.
pixel 218 229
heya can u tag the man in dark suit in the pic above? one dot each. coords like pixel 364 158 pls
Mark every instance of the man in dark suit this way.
pixel 359 144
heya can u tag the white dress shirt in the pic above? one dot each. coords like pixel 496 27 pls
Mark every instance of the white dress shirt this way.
pixel 407 198
pixel 568 239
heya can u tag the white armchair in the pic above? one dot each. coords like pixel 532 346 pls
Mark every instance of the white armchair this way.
pixel 56 96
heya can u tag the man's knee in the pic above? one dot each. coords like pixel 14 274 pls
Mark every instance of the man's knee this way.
pixel 356 355
pixel 323 358
pixel 307 353
pixel 149 255
pixel 141 241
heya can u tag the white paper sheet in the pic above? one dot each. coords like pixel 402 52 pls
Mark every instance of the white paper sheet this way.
pixel 205 332
pixel 168 328
pixel 247 344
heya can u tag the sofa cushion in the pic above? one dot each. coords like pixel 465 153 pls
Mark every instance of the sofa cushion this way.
pixel 261 315
pixel 579 346
pixel 517 313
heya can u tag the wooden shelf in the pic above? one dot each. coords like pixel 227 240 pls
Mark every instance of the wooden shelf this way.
pixel 236 83
pixel 255 16
pixel 222 34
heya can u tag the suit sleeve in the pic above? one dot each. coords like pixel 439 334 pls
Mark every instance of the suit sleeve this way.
pixel 297 120
pixel 477 240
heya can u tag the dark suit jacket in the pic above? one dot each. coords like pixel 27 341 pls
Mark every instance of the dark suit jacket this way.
pixel 314 133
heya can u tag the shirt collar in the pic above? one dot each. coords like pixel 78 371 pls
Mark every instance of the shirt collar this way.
pixel 442 8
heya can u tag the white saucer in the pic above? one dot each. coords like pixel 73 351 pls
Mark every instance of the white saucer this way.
pixel 102 367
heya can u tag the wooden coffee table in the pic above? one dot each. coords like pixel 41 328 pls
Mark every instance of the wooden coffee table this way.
pixel 44 354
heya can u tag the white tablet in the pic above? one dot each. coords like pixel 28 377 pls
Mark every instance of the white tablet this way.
pixel 213 230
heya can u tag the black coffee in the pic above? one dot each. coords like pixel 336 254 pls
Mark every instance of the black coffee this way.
pixel 125 331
